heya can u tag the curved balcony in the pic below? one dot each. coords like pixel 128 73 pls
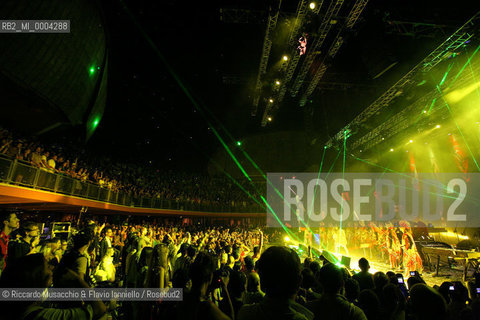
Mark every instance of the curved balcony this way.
pixel 15 173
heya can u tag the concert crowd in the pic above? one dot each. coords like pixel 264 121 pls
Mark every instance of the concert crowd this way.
pixel 139 180
pixel 225 273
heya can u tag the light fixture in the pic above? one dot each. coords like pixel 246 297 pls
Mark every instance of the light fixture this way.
pixel 391 149
pixel 285 58
pixel 287 239
pixel 269 118
pixel 270 100
pixel 277 82
pixel 312 5
pixel 437 126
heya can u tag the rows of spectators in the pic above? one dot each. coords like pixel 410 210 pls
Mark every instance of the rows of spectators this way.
pixel 225 274
pixel 134 179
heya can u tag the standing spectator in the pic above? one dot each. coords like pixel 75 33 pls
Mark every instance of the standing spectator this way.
pixel 32 272
pixel 37 157
pixel 257 250
pixel 370 304
pixel 76 259
pixel 364 278
pixel 236 290
pixel 159 275
pixel 105 271
pixel 142 269
pixel 279 270
pixel 10 222
pixel 106 243
pixel 332 305
pixel 61 251
pixel 253 294
pixel 181 261
pixel 352 290
pixel 27 155
pixel 195 304
pixel 380 280
pixel 458 300
pixel 51 163
pixel 44 161
pixel 426 303
pixel 25 243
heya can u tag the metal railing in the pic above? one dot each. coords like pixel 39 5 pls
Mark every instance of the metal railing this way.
pixel 20 173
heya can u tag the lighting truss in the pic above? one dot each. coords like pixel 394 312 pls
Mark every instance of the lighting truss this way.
pixel 243 16
pixel 267 46
pixel 405 119
pixel 443 51
pixel 415 29
pixel 337 43
pixel 302 10
pixel 325 26
pixel 247 16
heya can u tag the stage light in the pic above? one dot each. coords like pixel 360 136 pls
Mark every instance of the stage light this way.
pixel 95 123
pixel 287 239
pixel 391 150
pixel 437 126
pixel 92 70
pixel 277 82
pixel 312 5
pixel 239 143
pixel 269 118
pixel 424 111
pixel 270 100
pixel 285 58
pixel 383 138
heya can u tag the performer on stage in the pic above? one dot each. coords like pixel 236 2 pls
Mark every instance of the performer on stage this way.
pixel 411 258
pixel 394 247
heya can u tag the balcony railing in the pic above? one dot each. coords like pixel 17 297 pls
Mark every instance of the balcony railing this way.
pixel 23 174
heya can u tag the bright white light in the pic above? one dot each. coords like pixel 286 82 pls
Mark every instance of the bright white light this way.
pixel 437 126
pixel 270 100
pixel 285 58
pixel 269 118
pixel 391 150
pixel 277 83
pixel 312 5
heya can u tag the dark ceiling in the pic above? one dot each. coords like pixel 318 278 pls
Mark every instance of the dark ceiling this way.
pixel 161 50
